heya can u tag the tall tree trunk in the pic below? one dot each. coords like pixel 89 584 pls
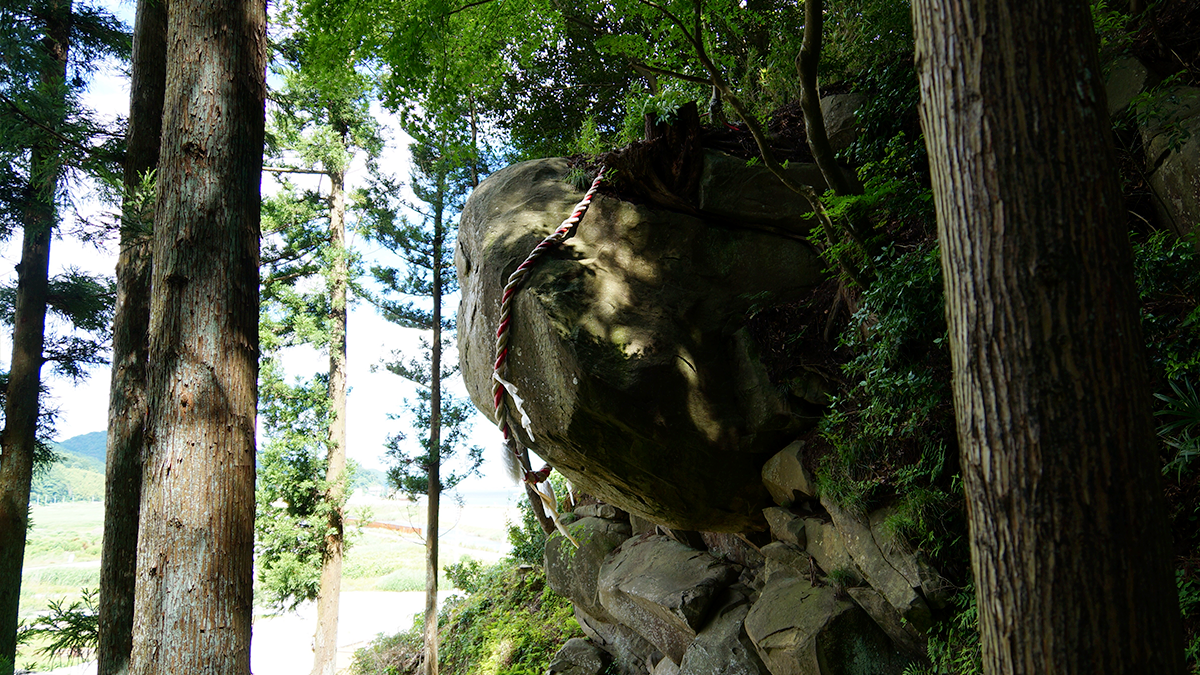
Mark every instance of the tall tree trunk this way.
pixel 196 541
pixel 19 439
pixel 1069 542
pixel 325 659
pixel 131 323
pixel 434 492
pixel 810 99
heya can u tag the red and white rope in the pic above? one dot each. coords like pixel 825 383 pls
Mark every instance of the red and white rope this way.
pixel 500 368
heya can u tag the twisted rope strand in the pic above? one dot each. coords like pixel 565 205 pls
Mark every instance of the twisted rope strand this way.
pixel 500 367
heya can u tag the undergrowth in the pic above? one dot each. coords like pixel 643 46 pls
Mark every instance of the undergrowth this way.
pixel 509 622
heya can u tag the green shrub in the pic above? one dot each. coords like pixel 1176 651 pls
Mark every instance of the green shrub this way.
pixel 511 623
pixel 67 631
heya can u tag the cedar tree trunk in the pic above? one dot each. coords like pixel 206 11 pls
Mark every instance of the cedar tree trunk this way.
pixel 196 541
pixel 1069 542
pixel 434 491
pixel 131 323
pixel 19 439
pixel 325 640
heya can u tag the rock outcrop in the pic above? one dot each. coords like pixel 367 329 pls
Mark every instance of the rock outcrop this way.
pixel 712 550
pixel 833 594
pixel 1167 118
pixel 628 343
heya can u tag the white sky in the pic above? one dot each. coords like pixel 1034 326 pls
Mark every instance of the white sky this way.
pixel 373 395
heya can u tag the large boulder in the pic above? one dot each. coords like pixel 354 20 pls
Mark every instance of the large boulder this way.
pixel 578 657
pixel 663 590
pixel 1172 141
pixel 630 652
pixel 825 544
pixel 799 629
pixel 840 112
pixel 722 647
pixel 573 572
pixel 786 478
pixel 883 567
pixel 628 343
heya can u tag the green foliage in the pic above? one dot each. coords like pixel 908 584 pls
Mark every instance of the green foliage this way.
pixel 71 478
pixel 1167 272
pixel 70 631
pixel 1189 606
pixel 84 305
pixel 954 645
pixel 889 430
pixel 33 103
pixel 466 574
pixel 863 35
pixel 1112 27
pixel 527 540
pixel 892 187
pixel 1182 430
pixel 509 623
pixel 1164 109
pixel 413 298
pixel 294 512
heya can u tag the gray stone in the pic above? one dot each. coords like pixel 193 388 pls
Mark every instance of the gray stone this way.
pixel 600 510
pixel 786 478
pixel 665 667
pixel 786 526
pixel 733 548
pixel 785 560
pixel 731 188
pixel 662 590
pixel 641 525
pixel 841 118
pixel 573 572
pixel 877 569
pixel 1172 144
pixel 628 344
pixel 629 651
pixel 1127 77
pixel 912 565
pixel 826 545
pixel 801 630
pixel 722 647
pixel 902 634
pixel 578 657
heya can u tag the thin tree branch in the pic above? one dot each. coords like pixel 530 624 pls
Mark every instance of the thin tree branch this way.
pixel 98 154
pixel 640 66
pixel 677 21
pixel 465 7
pixel 764 148
pixel 291 169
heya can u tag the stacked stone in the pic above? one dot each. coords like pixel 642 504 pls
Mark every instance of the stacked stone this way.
pixel 826 592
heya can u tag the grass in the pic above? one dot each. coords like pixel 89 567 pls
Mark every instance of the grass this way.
pixel 62 555
pixel 384 560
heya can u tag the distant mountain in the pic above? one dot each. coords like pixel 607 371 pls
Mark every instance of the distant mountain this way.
pixel 92 446
pixel 77 476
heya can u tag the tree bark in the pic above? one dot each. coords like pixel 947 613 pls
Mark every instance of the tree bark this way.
pixel 328 598
pixel 434 491
pixel 131 323
pixel 810 99
pixel 19 438
pixel 1069 542
pixel 196 539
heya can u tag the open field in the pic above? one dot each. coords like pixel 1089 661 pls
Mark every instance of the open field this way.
pixel 63 554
